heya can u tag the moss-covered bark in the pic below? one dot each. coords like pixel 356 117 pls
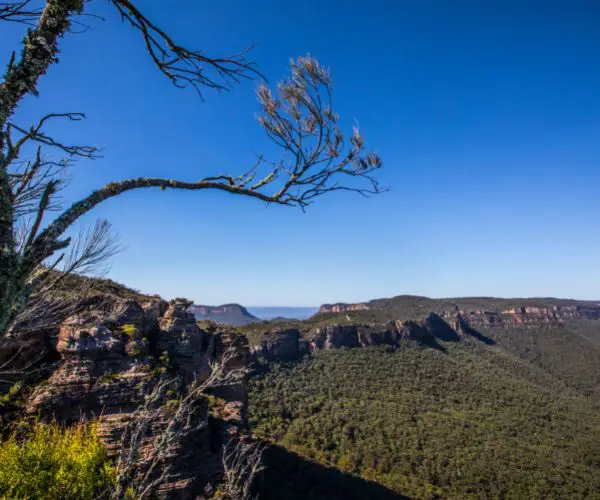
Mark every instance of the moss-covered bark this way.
pixel 40 47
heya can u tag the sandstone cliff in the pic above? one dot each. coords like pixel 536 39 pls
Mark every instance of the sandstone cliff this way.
pixel 477 311
pixel 525 316
pixel 341 307
pixel 111 355
pixel 290 344
pixel 279 345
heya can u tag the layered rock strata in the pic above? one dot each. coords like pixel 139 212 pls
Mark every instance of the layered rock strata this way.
pixel 112 356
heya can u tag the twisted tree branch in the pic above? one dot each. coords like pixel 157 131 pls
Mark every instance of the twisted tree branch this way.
pixel 183 66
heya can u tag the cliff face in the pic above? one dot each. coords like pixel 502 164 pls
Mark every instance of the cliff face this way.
pixel 287 345
pixel 478 312
pixel 113 354
pixel 341 307
pixel 525 316
pixel 279 345
pixel 362 335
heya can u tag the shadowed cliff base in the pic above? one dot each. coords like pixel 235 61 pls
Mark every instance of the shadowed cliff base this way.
pixel 439 329
pixel 293 477
pixel 433 344
pixel 479 336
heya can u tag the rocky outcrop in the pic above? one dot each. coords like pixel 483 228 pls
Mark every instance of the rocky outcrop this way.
pixel 342 307
pixel 235 397
pixel 377 334
pixel 279 345
pixel 155 309
pixel 181 341
pixel 113 354
pixel 105 362
pixel 412 330
pixel 460 325
pixel 289 345
pixel 439 329
pixel 362 335
pixel 334 337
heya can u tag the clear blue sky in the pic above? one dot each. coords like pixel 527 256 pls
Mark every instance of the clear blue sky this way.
pixel 486 114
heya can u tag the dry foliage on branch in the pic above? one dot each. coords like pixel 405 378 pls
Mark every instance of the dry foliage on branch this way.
pixel 185 67
pixel 140 475
pixel 242 462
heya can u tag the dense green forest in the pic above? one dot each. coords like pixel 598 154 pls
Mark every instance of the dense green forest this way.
pixel 468 421
pixel 569 353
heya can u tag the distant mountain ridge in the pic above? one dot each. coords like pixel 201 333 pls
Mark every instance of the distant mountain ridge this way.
pixel 478 311
pixel 270 313
pixel 230 314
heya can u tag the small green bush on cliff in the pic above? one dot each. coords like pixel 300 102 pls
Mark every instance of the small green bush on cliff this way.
pixel 13 390
pixel 48 461
pixel 130 330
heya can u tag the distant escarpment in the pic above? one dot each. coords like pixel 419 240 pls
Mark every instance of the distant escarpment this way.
pixel 290 344
pixel 526 315
pixel 229 314
pixel 478 312
pixel 342 307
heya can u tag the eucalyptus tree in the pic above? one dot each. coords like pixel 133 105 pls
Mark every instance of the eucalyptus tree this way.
pixel 315 159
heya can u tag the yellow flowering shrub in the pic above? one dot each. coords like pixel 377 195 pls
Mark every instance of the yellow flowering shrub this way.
pixel 48 461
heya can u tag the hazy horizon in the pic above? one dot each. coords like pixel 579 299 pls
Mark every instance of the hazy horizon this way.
pixel 316 307
pixel 291 312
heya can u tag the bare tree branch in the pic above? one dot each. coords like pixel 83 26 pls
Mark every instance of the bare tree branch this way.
pixel 242 462
pixel 91 250
pixel 183 66
pixel 36 134
pixel 302 122
pixel 49 300
pixel 320 156
pixel 34 180
pixel 19 12
pixel 39 52
pixel 29 180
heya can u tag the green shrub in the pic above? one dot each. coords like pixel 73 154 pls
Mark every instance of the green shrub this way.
pixel 164 358
pixel 137 350
pixel 109 378
pixel 11 393
pixel 130 330
pixel 50 462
